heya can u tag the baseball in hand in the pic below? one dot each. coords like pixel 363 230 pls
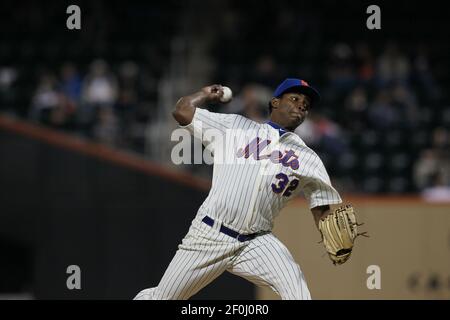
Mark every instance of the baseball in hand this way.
pixel 227 95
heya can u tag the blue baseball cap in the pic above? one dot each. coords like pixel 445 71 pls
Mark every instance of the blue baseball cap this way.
pixel 297 85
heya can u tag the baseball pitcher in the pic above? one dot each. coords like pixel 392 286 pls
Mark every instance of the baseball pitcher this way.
pixel 262 167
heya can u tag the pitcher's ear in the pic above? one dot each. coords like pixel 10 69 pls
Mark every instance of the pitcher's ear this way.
pixel 275 102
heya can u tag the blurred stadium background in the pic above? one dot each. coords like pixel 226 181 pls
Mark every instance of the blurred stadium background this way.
pixel 85 125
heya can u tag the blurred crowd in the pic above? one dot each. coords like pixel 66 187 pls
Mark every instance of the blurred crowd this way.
pixel 380 116
pixel 99 82
pixel 108 107
pixel 382 125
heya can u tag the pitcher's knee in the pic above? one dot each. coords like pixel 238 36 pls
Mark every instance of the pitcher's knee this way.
pixel 157 294
pixel 146 294
pixel 295 291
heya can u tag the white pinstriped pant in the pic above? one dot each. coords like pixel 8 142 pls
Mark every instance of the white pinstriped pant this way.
pixel 205 253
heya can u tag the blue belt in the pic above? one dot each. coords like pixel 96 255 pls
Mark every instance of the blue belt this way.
pixel 234 234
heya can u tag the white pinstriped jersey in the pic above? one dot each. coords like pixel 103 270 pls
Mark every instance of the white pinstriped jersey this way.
pixel 267 166
pixel 258 168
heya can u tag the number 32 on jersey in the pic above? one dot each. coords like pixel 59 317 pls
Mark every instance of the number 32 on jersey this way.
pixel 282 182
